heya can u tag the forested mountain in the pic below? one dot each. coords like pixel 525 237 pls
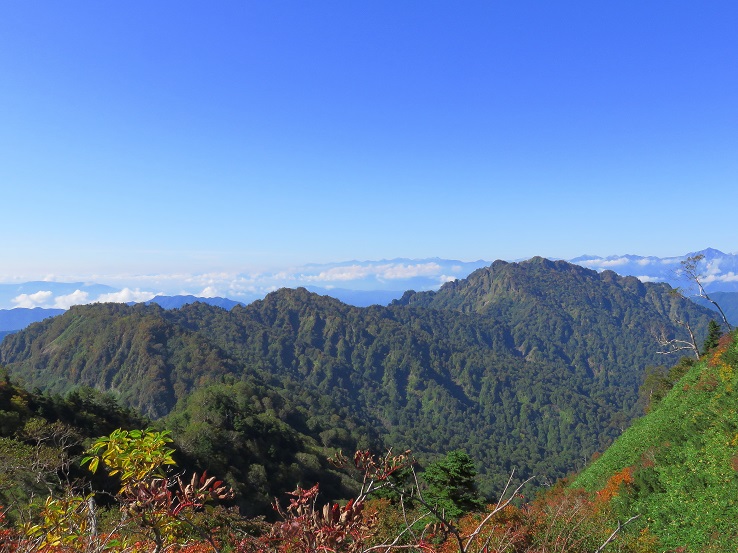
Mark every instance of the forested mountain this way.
pixel 258 453
pixel 174 302
pixel 532 366
pixel 599 324
pixel 19 318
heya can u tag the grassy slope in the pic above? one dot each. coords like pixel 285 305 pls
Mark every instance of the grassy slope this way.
pixel 684 458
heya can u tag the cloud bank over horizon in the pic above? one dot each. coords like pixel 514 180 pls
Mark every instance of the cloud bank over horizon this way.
pixel 386 275
pixel 47 299
pixel 720 271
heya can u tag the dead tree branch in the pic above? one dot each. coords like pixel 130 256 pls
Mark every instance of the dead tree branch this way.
pixel 690 271
pixel 615 532
pixel 674 345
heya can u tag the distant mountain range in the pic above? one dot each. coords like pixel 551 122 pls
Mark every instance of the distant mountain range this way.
pixel 357 283
pixel 728 302
pixel 21 317
pixel 720 270
pixel 719 275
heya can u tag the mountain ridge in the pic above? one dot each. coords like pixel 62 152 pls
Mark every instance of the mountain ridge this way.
pixel 533 381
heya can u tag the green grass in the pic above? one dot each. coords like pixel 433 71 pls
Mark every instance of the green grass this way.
pixel 684 456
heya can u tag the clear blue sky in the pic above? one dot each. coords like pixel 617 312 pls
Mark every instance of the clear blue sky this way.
pixel 186 136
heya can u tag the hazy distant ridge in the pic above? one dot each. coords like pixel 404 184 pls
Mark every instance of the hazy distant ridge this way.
pixel 359 283
pixel 16 319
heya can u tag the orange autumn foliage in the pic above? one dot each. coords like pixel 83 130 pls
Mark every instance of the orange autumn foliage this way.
pixel 506 531
pixel 614 485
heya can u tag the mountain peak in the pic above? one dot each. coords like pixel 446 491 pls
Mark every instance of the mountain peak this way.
pixel 709 253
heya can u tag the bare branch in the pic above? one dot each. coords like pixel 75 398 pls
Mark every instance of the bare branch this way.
pixel 407 530
pixel 674 345
pixel 615 533
pixel 500 505
pixel 690 271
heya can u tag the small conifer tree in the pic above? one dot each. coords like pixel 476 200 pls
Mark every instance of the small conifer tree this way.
pixel 452 486
pixel 714 332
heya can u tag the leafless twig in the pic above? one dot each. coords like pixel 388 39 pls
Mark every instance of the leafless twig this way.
pixel 615 532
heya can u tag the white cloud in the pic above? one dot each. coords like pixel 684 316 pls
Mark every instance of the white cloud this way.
pixel 643 262
pixel 37 299
pixel 386 271
pixel 247 286
pixel 614 262
pixel 223 284
pixel 126 295
pixel 77 297
pixel 646 278
pixel 283 275
pixel 353 272
pixel 727 277
pixel 209 292
pixel 713 267
pixel 410 271
pixel 238 288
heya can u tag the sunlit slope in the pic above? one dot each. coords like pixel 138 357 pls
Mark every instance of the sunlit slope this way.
pixel 682 458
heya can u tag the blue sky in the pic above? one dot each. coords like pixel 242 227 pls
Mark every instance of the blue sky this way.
pixel 190 137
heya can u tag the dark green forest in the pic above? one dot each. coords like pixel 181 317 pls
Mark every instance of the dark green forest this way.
pixel 531 367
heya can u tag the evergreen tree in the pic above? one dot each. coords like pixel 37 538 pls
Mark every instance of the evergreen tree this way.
pixel 452 486
pixel 714 332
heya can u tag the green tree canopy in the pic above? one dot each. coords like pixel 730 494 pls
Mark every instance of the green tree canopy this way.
pixel 452 485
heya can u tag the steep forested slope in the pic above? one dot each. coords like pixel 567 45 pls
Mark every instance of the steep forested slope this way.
pixel 679 463
pixel 598 323
pixel 532 366
pixel 133 351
